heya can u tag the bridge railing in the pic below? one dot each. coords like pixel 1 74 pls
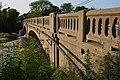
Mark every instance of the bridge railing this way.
pixel 46 22
pixel 40 21
pixel 72 25
pixel 104 26
pixel 68 24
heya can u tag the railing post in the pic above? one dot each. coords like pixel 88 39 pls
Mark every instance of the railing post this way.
pixel 81 26
pixel 53 23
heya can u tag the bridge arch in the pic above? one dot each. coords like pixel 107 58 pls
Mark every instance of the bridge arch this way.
pixel 33 34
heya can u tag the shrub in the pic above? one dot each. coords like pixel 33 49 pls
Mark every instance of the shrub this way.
pixel 5 37
pixel 30 63
pixel 63 74
pixel 110 67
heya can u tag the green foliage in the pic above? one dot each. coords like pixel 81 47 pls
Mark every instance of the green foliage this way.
pixel 54 9
pixel 45 7
pixel 30 63
pixel 8 19
pixel 33 14
pixel 63 74
pixel 110 67
pixel 41 8
pixel 40 5
pixel 88 64
pixel 11 68
pixel 66 7
pixel 78 8
pixel 36 63
pixel 12 16
pixel 5 35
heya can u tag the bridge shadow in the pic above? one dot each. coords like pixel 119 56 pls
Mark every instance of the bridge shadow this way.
pixel 33 35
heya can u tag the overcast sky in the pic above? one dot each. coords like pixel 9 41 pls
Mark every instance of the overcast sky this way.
pixel 23 5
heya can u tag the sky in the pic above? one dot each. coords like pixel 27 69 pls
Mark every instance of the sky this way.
pixel 22 6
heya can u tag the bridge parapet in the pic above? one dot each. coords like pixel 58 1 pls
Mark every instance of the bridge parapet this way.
pixel 68 24
pixel 72 25
pixel 104 27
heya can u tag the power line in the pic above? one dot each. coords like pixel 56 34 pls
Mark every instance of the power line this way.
pixel 83 3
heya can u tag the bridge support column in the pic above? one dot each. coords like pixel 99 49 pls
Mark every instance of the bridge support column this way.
pixel 56 51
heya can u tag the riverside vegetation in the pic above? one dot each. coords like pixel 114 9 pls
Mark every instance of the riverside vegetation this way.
pixel 32 63
pixel 6 37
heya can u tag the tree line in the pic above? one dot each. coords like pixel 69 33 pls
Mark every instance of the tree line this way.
pixel 9 20
pixel 44 7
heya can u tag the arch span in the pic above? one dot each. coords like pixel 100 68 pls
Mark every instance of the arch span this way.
pixel 33 34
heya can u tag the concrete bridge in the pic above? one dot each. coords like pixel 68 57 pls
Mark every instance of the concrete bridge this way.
pixel 67 37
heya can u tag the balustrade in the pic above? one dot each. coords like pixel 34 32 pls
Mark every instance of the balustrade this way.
pixel 68 24
pixel 95 25
pixel 104 24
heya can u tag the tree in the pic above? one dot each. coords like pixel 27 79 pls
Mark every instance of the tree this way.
pixel 41 8
pixel 54 9
pixel 40 5
pixel 66 7
pixel 12 16
pixel 33 14
pixel 8 20
pixel 3 19
pixel 78 8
